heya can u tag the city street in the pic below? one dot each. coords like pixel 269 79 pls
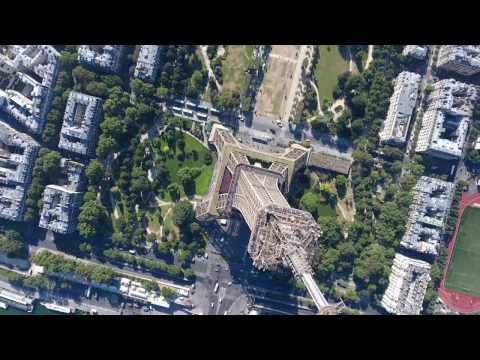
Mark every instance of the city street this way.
pixel 240 285
pixel 426 79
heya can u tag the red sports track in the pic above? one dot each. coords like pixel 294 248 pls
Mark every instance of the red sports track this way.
pixel 455 300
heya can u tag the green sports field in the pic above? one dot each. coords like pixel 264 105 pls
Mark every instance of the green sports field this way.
pixel 464 270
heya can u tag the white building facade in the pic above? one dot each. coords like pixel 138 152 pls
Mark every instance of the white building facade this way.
pixel 402 104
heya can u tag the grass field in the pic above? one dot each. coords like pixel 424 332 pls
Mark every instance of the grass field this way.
pixel 237 59
pixel 330 65
pixel 326 210
pixel 172 164
pixel 464 268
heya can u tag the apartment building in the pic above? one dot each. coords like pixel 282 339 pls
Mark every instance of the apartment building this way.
pixel 402 104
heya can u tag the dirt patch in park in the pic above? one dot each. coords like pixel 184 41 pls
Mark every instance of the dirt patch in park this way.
pixel 234 67
pixel 272 96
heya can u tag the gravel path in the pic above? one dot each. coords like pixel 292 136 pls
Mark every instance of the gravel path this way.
pixel 203 51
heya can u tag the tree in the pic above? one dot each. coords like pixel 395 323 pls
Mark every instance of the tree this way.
pixel 161 173
pixel 11 242
pixel 68 60
pixel 357 128
pixel 90 195
pixel 139 183
pixel 111 81
pixel 85 247
pixel 183 213
pixel 195 229
pixel 162 93
pixel 167 293
pixel 141 88
pixel 228 100
pixel 372 268
pixel 428 89
pixel 49 166
pixel 327 191
pixel 341 183
pixel 392 153
pixel 342 126
pixel 106 145
pixel 92 220
pixel 182 255
pixel 187 178
pixel 332 232
pixel 95 172
pixel 211 51
pixel 346 254
pixel 174 190
pixel 181 144
pixel 39 282
pixel 355 84
pixel 364 158
pixel 83 76
pixel 96 88
pixel 113 127
pixel 351 296
pixel 164 248
pixel 309 202
pixel 358 104
pixel 343 78
pixel 208 158
pixel 197 83
pixel 324 262
pixel 320 124
pixel 188 273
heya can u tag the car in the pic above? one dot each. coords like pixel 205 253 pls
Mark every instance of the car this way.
pixel 212 305
pixel 216 287
pixel 133 252
pixel 230 283
pixel 220 301
pixel 223 222
pixel 222 239
pixel 206 255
